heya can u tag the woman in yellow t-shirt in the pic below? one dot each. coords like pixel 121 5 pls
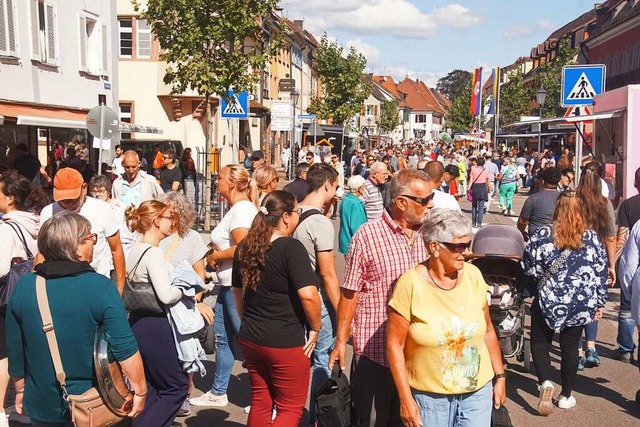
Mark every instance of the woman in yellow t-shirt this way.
pixel 443 351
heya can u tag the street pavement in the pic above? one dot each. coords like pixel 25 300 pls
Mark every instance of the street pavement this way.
pixel 605 395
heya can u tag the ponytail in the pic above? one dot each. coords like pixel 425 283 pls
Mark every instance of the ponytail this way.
pixel 141 219
pixel 253 192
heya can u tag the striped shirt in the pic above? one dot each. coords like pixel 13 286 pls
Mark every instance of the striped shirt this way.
pixel 378 255
pixel 373 203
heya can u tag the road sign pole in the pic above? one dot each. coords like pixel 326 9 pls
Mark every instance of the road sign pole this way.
pixel 102 137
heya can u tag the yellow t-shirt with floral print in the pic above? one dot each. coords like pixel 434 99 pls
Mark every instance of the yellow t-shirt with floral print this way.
pixel 445 350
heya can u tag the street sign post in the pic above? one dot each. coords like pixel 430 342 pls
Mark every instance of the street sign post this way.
pixel 236 107
pixel 102 123
pixel 581 83
pixel 281 115
pixel 287 85
pixel 306 116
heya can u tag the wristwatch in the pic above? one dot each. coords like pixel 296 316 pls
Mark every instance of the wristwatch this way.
pixel 502 375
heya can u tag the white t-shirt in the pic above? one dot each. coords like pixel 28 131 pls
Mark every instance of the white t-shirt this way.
pixel 239 216
pixel 444 200
pixel 116 166
pixel 103 223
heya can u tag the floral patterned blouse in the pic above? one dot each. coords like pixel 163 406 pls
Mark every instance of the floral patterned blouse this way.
pixel 571 296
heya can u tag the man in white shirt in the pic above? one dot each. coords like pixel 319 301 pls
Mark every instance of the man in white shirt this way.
pixel 493 171
pixel 134 186
pixel 435 170
pixel 70 195
pixel 116 166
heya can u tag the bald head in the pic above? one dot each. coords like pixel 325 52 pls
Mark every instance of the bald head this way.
pixel 421 164
pixel 378 173
pixel 131 165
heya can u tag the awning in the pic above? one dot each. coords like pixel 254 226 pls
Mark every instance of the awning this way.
pixel 598 116
pixel 44 116
pixel 529 135
pixel 128 127
pixel 47 122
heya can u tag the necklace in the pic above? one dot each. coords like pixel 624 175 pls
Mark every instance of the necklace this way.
pixel 436 283
pixel 410 238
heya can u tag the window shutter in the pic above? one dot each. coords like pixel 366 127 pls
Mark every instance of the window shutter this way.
pixel 35 31
pixel 50 25
pixel 11 24
pixel 82 39
pixel 3 29
pixel 105 50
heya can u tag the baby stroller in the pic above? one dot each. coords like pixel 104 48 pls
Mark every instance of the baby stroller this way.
pixel 497 250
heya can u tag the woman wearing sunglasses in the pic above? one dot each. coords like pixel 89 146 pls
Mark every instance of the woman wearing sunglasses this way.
pixel 443 351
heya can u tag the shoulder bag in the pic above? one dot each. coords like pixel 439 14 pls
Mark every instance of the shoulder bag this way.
pixel 470 191
pixel 19 267
pixel 87 409
pixel 333 400
pixel 139 296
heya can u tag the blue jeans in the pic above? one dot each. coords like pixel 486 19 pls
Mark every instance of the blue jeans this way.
pixel 456 410
pixel 626 326
pixel 477 211
pixel 320 360
pixel 226 326
pixel 590 333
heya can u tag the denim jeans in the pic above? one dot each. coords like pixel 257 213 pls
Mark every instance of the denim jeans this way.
pixel 226 326
pixel 456 410
pixel 590 333
pixel 626 326
pixel 477 211
pixel 320 360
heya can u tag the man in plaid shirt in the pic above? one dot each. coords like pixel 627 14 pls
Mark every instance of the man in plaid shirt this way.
pixel 379 253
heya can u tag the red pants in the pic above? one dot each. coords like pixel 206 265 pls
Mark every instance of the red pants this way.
pixel 280 377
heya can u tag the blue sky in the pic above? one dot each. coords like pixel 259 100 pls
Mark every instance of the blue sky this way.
pixel 426 39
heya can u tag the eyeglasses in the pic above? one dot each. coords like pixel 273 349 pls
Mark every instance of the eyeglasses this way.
pixel 371 159
pixel 276 179
pixel 167 157
pixel 298 211
pixel 93 237
pixel 309 157
pixel 98 191
pixel 424 201
pixel 456 247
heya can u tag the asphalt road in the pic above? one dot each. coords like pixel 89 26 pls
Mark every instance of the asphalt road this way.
pixel 605 395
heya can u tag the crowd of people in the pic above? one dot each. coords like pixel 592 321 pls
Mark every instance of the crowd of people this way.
pixel 425 351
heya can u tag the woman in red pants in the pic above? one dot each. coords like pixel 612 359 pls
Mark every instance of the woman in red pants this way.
pixel 277 299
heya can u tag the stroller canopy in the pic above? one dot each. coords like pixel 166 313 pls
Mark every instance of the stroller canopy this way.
pixel 497 240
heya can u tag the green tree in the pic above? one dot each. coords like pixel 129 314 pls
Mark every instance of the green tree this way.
pixel 344 88
pixel 515 99
pixel 459 116
pixel 550 75
pixel 212 46
pixel 389 118
pixel 454 84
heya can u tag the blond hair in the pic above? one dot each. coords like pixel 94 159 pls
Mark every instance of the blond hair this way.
pixel 243 182
pixel 141 219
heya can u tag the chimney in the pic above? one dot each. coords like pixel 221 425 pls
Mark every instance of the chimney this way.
pixel 384 79
pixel 299 23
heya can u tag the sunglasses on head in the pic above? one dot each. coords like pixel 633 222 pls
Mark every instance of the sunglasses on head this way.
pixel 424 201
pixel 456 247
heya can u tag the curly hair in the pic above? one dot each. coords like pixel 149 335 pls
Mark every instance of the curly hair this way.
pixel 252 251
pixel 26 197
pixel 568 221
pixel 185 213
pixel 141 219
pixel 594 204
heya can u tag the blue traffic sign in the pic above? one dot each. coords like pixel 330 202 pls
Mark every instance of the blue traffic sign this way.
pixel 581 83
pixel 236 107
pixel 306 116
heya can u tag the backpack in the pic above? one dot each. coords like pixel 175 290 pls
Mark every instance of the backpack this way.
pixel 333 400
pixel 19 267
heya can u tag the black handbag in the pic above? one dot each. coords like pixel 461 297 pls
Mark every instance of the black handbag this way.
pixel 333 400
pixel 500 417
pixel 140 297
pixel 19 267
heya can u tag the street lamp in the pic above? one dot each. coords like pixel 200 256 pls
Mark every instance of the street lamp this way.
pixel 292 145
pixel 541 96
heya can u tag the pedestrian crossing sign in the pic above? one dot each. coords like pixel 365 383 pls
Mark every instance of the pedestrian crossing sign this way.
pixel 581 83
pixel 236 107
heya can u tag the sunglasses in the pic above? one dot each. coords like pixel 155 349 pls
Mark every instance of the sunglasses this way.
pixel 309 158
pixel 424 201
pixel 456 247
pixel 93 237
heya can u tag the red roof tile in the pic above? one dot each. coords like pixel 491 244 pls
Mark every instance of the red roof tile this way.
pixel 419 96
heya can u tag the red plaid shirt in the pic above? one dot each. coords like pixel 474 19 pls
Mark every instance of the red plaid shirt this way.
pixel 379 254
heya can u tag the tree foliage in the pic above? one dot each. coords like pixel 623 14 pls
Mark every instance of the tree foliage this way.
pixel 211 46
pixel 459 116
pixel 515 99
pixel 454 84
pixel 344 88
pixel 550 77
pixel 389 118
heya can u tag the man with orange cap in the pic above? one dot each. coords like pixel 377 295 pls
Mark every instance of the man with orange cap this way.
pixel 70 194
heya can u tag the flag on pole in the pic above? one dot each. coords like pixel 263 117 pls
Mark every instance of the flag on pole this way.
pixel 495 75
pixel 476 95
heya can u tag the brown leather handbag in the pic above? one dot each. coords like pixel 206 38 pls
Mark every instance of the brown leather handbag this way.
pixel 87 409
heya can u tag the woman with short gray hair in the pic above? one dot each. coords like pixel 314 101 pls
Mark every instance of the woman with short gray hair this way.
pixel 443 350
pixel 80 300
pixel 352 212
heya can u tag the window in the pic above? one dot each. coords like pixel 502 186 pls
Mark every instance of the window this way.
pixel 44 31
pixel 369 110
pixel 8 28
pixel 126 117
pixel 265 84
pixel 93 40
pixel 421 118
pixel 143 42
pixel 125 27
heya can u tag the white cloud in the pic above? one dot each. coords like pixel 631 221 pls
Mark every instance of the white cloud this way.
pixel 395 18
pixel 370 52
pixel 518 31
pixel 430 78
pixel 546 25
pixel 456 16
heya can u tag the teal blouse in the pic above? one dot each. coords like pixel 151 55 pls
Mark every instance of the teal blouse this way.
pixel 352 216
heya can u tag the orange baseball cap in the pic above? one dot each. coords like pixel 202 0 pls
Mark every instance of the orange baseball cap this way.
pixel 67 184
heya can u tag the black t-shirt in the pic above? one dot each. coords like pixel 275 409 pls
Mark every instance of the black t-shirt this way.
pixel 629 212
pixel 273 315
pixel 168 177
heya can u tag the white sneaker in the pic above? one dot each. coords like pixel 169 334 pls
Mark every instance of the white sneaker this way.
pixel 209 399
pixel 545 400
pixel 566 402
pixel 12 415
